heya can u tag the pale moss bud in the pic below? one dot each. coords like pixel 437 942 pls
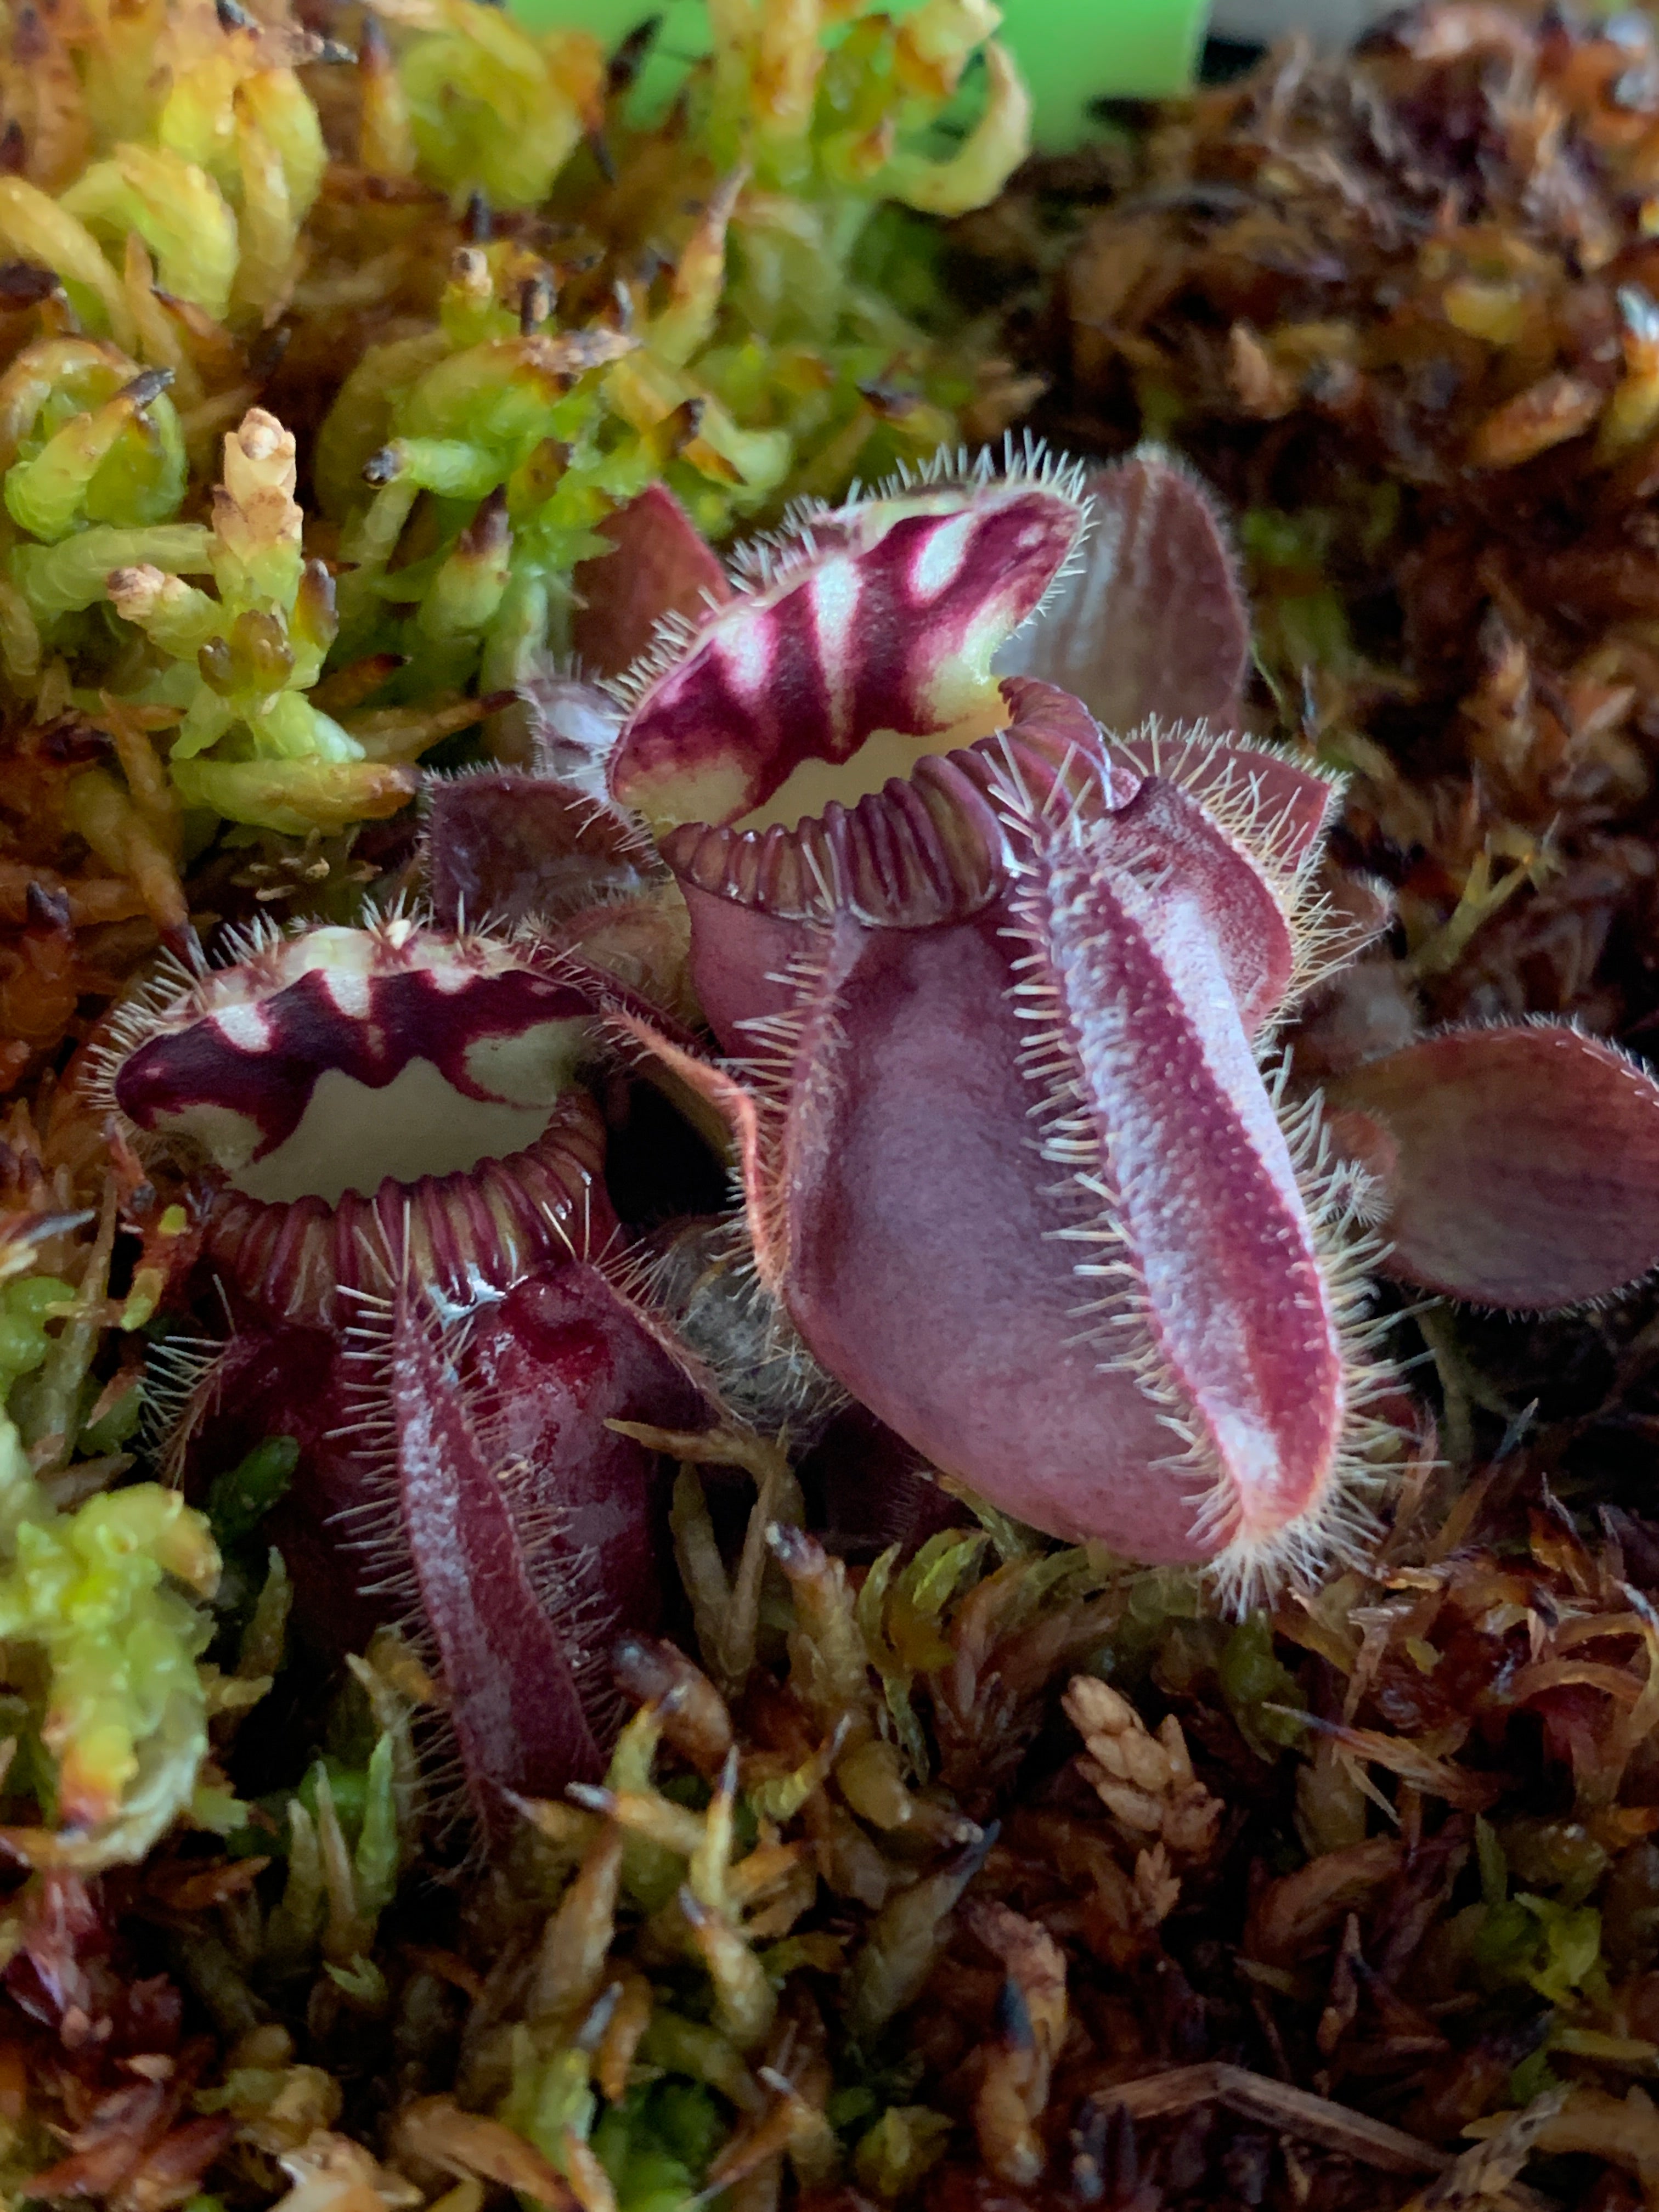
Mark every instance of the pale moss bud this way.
pixel 257 522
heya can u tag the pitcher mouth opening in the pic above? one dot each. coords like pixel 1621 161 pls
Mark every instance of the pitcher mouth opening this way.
pixel 823 738
pixel 338 1084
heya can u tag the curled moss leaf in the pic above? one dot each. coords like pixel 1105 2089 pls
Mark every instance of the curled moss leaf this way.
pixel 92 438
pixel 177 209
